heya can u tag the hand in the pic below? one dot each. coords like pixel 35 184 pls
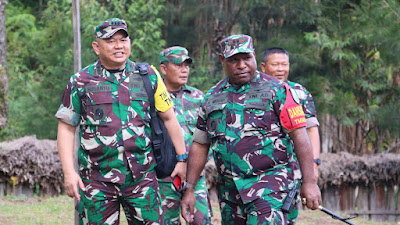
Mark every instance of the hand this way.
pixel 187 205
pixel 312 194
pixel 71 182
pixel 180 170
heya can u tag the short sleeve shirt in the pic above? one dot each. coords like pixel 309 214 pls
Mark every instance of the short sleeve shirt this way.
pixel 246 136
pixel 187 103
pixel 112 110
pixel 307 102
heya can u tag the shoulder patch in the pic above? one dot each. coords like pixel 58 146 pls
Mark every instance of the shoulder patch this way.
pixel 294 95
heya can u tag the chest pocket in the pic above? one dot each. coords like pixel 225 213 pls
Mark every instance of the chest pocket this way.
pixel 216 115
pixel 257 115
pixel 138 96
pixel 190 113
pixel 136 88
pixel 98 105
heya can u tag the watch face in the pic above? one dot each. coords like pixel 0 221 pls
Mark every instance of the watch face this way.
pixel 317 161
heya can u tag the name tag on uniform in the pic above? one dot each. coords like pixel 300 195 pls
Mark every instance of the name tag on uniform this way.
pixel 218 99
pixel 136 87
pixel 257 105
pixel 259 91
pixel 98 88
pixel 263 86
pixel 259 95
pixel 191 105
pixel 135 82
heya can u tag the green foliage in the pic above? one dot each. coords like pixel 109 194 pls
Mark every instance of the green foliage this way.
pixel 201 78
pixel 37 67
pixel 344 52
pixel 146 30
pixel 144 26
pixel 21 28
pixel 356 57
pixel 387 117
pixel 200 27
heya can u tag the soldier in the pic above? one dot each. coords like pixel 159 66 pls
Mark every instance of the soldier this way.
pixel 248 120
pixel 107 100
pixel 276 63
pixel 174 65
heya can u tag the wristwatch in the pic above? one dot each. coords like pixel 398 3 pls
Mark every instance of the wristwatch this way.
pixel 317 161
pixel 182 158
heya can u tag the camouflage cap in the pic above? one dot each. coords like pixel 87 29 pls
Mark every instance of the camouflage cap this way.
pixel 235 44
pixel 109 27
pixel 175 55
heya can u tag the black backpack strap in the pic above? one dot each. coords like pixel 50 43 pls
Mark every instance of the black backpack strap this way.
pixel 98 70
pixel 155 126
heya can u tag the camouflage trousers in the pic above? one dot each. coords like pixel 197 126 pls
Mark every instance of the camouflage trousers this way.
pixel 171 200
pixel 264 210
pixel 292 215
pixel 100 203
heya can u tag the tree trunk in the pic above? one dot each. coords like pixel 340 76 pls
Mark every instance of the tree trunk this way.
pixel 3 71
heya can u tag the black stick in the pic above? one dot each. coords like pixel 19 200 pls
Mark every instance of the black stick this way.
pixel 334 215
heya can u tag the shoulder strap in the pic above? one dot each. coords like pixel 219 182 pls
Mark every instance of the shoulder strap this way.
pixel 142 68
pixel 131 66
pixel 97 72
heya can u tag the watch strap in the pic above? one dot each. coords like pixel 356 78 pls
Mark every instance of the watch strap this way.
pixel 317 161
pixel 182 157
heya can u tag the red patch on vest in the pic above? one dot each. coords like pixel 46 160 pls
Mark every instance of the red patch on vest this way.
pixel 292 115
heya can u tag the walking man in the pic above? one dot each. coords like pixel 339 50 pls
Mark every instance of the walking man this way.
pixel 248 119
pixel 276 63
pixel 108 102
pixel 175 62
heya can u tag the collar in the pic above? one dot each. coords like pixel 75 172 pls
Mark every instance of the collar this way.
pixel 183 88
pixel 186 89
pixel 109 75
pixel 129 67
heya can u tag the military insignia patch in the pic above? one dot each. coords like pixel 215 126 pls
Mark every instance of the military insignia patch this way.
pixel 295 96
pixel 99 112
pixel 116 23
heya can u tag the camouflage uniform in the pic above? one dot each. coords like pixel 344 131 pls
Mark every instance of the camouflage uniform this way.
pixel 187 103
pixel 247 128
pixel 307 102
pixel 115 157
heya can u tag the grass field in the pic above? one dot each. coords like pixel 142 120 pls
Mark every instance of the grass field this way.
pixel 60 211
